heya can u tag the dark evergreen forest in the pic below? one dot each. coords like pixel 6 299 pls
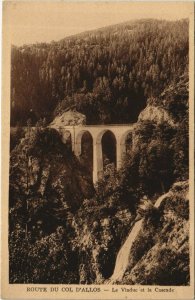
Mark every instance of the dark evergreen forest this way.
pixel 106 74
pixel 65 229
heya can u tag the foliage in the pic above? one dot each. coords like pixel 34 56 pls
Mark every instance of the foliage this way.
pixel 159 157
pixel 16 134
pixel 147 209
pixel 35 166
pixel 45 261
pixel 100 228
pixel 106 74
pixel 160 252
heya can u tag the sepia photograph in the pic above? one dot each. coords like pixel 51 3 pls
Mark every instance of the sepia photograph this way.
pixel 98 111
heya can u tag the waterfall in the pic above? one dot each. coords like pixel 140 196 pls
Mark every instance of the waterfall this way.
pixel 122 259
pixel 123 255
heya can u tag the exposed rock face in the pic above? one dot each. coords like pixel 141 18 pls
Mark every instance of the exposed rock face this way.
pixel 99 234
pixel 155 114
pixel 47 186
pixel 68 118
pixel 44 170
pixel 160 253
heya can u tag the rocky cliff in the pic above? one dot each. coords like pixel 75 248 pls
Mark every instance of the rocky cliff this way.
pixel 155 243
pixel 63 230
pixel 159 253
pixel 68 118
pixel 155 114
pixel 44 170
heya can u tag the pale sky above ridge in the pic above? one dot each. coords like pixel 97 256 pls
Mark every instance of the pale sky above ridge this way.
pixel 41 21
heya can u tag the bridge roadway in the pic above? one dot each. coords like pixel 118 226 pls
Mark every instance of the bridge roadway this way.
pixel 120 132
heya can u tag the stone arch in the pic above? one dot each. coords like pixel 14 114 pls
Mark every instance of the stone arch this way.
pixel 101 133
pixel 84 150
pixel 99 152
pixel 123 142
pixel 78 141
pixel 109 148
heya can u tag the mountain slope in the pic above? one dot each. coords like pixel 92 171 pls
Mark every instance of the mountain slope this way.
pixel 62 228
pixel 107 74
pixel 160 253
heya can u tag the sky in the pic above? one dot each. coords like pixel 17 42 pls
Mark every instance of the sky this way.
pixel 41 21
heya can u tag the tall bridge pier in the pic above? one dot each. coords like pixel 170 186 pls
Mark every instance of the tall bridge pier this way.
pixel 120 133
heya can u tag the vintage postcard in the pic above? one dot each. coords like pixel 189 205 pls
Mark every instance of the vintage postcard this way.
pixel 97 150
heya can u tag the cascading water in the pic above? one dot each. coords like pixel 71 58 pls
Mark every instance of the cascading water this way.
pixel 122 259
pixel 123 255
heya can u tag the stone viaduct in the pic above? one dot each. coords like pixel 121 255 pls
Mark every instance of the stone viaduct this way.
pixel 120 132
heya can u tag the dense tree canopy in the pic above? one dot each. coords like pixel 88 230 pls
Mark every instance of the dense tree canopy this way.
pixel 64 229
pixel 107 74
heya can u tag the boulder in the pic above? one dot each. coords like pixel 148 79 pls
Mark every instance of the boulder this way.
pixel 156 114
pixel 68 118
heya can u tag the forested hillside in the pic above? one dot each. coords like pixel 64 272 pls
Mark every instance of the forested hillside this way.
pixel 62 230
pixel 62 227
pixel 107 74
